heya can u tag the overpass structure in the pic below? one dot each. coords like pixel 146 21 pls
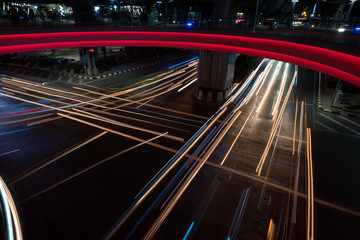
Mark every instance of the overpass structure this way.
pixel 329 58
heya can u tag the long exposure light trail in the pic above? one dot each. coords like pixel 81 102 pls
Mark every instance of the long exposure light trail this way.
pixel 149 105
pixel 276 125
pixel 188 84
pixel 121 124
pixel 281 89
pixel 266 73
pixel 91 124
pixel 164 172
pixel 91 167
pixel 237 136
pixel 272 80
pixel 15 222
pixel 72 149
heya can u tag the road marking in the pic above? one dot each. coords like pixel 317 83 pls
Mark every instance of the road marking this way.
pixel 3 154
pixel 350 121
pixel 326 127
pixel 333 120
pixel 282 188
pixel 91 167
pixel 17 179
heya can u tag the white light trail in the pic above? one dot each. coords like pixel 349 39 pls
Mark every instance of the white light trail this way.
pixel 281 89
pixel 7 211
pixel 243 86
pixel 276 125
pixel 272 80
pixel 266 73
pixel 187 85
pixel 14 214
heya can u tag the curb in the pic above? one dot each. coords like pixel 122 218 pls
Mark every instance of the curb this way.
pixel 343 113
pixel 118 72
pixel 105 75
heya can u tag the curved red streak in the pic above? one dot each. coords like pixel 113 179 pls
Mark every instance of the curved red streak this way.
pixel 337 64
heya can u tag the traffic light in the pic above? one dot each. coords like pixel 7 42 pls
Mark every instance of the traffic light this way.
pixel 91 51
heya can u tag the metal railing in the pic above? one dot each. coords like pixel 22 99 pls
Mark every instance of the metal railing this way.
pixel 347 33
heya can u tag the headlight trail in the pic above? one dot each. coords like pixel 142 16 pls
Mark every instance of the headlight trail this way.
pixel 77 146
pixel 237 136
pixel 266 73
pixel 187 85
pixel 149 105
pixel 276 125
pixel 281 89
pixel 272 80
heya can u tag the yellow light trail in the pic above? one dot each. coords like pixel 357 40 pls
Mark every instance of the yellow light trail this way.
pixel 103 119
pixel 272 80
pixel 91 167
pixel 119 133
pixel 138 119
pixel 121 124
pixel 149 105
pixel 272 134
pixel 270 229
pixel 237 136
pixel 281 89
pixel 72 149
pixel 294 134
pixel 171 204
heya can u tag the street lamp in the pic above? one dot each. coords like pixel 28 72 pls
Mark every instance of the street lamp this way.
pixel 292 12
pixel 256 13
pixel 351 6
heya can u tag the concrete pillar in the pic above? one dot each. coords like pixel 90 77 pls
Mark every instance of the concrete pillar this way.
pixel 89 60
pixel 216 75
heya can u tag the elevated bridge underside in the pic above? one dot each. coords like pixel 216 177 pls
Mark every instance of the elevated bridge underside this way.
pixel 333 61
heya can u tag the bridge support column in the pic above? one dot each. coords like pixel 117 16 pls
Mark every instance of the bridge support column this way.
pixel 89 57
pixel 216 75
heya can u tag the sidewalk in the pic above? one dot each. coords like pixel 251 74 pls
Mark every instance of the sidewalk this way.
pixel 332 99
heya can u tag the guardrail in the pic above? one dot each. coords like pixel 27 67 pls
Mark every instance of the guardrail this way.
pixel 332 31
pixel 10 224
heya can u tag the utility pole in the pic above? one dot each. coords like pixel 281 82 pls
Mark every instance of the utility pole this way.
pixel 292 13
pixel 131 13
pixel 351 6
pixel 256 13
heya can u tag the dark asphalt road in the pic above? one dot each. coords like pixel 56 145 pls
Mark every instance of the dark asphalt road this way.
pixel 70 199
